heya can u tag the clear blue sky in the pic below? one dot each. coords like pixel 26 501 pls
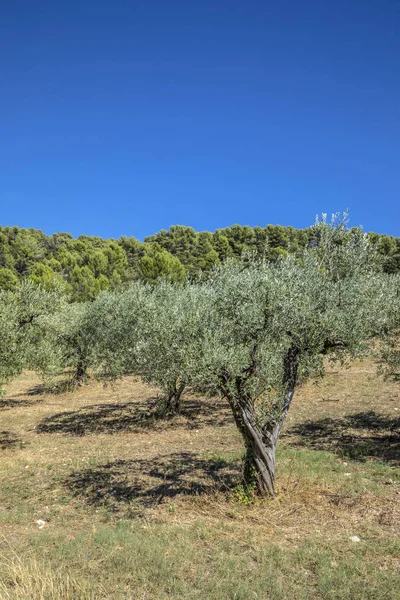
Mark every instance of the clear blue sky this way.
pixel 127 117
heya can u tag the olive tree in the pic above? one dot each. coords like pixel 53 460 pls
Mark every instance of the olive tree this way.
pixel 98 338
pixel 390 357
pixel 170 333
pixel 150 331
pixel 21 331
pixel 388 348
pixel 268 327
pixel 66 343
pixel 114 324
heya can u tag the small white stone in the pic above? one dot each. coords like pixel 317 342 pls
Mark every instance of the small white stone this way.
pixel 41 523
pixel 348 474
pixel 355 538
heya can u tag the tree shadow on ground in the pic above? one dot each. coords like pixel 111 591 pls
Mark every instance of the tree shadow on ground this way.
pixel 361 436
pixel 37 390
pixel 8 440
pixel 133 417
pixel 7 403
pixel 146 483
pixel 54 387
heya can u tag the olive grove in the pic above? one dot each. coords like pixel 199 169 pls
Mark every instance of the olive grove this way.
pixel 253 331
pixel 250 330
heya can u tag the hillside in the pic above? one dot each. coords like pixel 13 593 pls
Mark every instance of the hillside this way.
pixel 82 267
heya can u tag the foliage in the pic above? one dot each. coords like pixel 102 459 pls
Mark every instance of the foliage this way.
pixel 99 337
pixel 21 332
pixel 169 332
pixel 114 323
pixel 148 331
pixel 49 279
pixel 65 343
pixel 388 348
pixel 158 262
pixel 8 280
pixel 89 265
pixel 390 356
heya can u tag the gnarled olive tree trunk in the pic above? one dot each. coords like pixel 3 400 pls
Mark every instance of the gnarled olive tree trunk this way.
pixel 81 375
pixel 261 436
pixel 171 404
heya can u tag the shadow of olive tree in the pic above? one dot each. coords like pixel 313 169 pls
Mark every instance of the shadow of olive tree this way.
pixel 148 482
pixel 9 440
pixel 361 436
pixel 132 417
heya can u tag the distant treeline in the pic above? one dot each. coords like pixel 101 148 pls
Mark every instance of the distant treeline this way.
pixel 83 267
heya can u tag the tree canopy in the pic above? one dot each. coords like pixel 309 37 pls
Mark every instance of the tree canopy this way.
pixel 82 268
pixel 21 327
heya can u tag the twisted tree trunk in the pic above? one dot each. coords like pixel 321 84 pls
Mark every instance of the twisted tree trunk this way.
pixel 171 404
pixel 261 438
pixel 81 375
pixel 259 461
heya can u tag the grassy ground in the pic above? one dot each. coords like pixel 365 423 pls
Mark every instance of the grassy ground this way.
pixel 136 508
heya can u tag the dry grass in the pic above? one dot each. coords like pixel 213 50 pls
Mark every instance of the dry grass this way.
pixel 110 480
pixel 30 579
